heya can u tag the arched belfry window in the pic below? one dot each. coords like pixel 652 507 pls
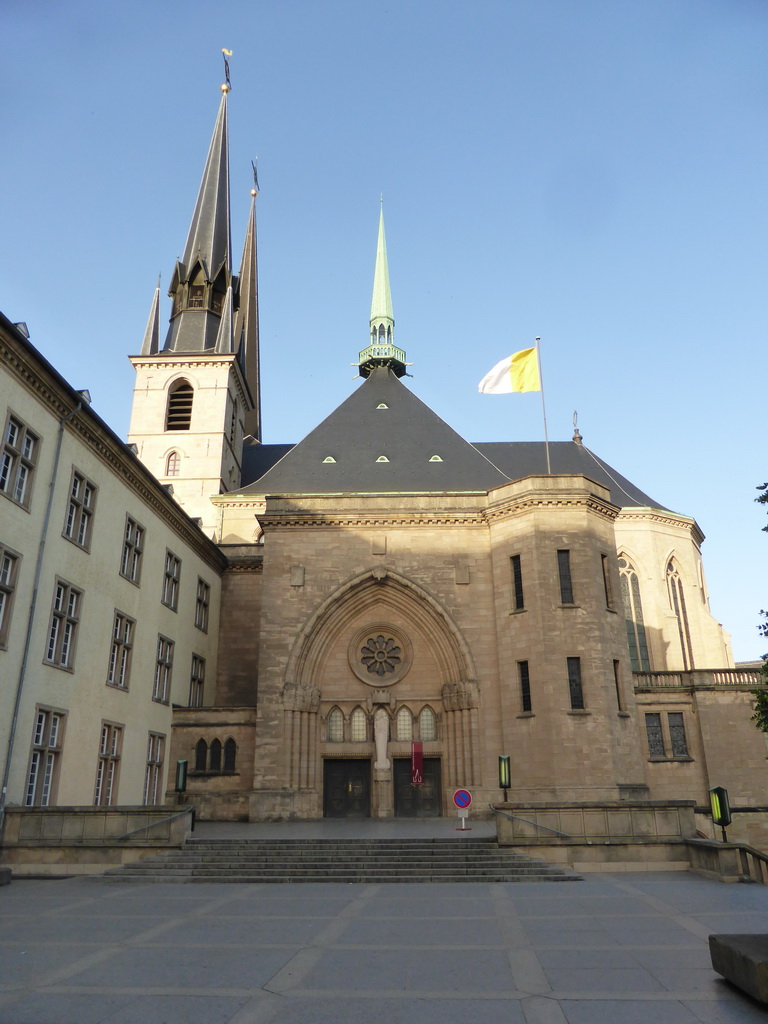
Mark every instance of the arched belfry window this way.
pixel 633 616
pixel 172 464
pixel 180 406
pixel 197 289
pixel 677 602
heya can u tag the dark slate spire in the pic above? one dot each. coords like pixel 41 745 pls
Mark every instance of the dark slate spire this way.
pixel 204 274
pixel 151 342
pixel 247 322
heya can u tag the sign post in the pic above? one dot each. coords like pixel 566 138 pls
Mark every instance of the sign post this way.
pixel 462 799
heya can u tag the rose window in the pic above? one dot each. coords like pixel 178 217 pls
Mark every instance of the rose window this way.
pixel 380 655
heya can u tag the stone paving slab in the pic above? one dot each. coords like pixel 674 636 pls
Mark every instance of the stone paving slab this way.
pixel 613 949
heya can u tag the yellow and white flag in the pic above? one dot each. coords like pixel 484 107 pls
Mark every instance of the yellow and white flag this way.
pixel 518 372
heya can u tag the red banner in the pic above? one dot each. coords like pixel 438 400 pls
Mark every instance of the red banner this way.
pixel 417 764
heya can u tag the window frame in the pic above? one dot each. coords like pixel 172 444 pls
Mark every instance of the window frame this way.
pixel 121 647
pixel 667 745
pixel 108 767
pixel 161 687
pixel 565 576
pixel 575 685
pixel 66 611
pixel 10 560
pixel 171 581
pixel 78 520
pixel 133 550
pixel 202 604
pixel 524 678
pixel 518 593
pixel 153 775
pixel 17 461
pixel 46 749
pixel 197 681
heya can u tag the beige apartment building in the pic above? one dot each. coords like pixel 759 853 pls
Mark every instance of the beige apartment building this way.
pixel 382 598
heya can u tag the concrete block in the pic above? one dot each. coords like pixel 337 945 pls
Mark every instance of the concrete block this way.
pixel 742 960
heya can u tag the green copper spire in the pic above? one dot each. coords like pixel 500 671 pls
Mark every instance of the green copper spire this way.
pixel 382 351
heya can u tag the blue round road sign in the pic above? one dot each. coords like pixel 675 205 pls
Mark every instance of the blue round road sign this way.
pixel 462 798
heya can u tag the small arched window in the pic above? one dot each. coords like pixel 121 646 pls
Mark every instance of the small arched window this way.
pixel 215 765
pixel 230 755
pixel 427 724
pixel 404 724
pixel 335 726
pixel 180 406
pixel 358 726
pixel 172 464
pixel 201 756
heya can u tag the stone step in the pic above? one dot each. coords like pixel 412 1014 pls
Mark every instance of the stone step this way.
pixel 446 860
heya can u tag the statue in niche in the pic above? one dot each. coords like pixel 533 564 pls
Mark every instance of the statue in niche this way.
pixel 381 735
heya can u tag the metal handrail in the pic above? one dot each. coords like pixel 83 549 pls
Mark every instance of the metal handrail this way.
pixel 525 821
pixel 160 821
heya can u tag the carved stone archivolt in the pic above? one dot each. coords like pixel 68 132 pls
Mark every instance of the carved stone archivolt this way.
pixel 460 696
pixel 301 697
pixel 380 654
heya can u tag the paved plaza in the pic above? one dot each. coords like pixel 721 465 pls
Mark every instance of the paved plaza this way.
pixel 619 949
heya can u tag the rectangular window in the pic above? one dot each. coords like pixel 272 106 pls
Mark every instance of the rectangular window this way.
pixel 677 734
pixel 120 651
pixel 197 682
pixel 171 580
pixel 153 779
pixel 564 572
pixel 575 689
pixel 109 763
pixel 517 583
pixel 62 632
pixel 44 762
pixel 133 547
pixel 9 566
pixel 17 461
pixel 525 686
pixel 163 668
pixel 607 581
pixel 654 735
pixel 617 683
pixel 201 606
pixel 80 509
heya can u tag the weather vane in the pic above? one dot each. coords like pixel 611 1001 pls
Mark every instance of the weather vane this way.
pixel 226 54
pixel 255 175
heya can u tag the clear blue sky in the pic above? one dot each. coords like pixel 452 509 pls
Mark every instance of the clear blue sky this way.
pixel 591 171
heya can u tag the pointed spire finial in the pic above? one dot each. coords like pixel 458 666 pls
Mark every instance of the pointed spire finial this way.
pixel 151 343
pixel 382 351
pixel 226 54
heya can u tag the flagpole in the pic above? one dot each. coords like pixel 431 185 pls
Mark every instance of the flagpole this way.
pixel 543 407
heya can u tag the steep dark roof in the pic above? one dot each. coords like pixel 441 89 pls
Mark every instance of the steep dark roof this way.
pixel 383 418
pixel 529 458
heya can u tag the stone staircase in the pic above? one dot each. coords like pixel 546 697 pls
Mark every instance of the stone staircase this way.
pixel 340 860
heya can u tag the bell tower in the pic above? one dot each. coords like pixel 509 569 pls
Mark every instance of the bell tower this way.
pixel 197 397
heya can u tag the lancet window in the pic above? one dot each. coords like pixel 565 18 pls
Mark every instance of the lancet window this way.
pixel 633 616
pixel 677 601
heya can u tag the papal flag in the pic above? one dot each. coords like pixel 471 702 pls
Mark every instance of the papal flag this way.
pixel 519 372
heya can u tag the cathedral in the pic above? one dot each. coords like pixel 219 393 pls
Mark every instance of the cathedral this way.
pixel 392 587
pixel 376 613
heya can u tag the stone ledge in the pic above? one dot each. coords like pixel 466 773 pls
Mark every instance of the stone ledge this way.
pixel 742 960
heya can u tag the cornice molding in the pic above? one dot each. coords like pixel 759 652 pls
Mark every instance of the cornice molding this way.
pixel 665 519
pixel 520 506
pixel 304 520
